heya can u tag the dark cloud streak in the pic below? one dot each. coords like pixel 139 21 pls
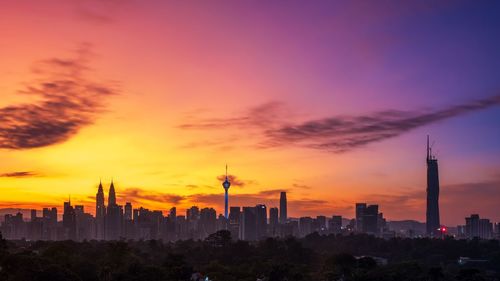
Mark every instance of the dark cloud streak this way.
pixel 23 174
pixel 65 101
pixel 338 134
pixel 341 134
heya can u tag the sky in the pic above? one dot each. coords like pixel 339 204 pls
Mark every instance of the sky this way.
pixel 330 101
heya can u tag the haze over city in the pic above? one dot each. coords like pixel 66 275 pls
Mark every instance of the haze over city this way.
pixel 330 102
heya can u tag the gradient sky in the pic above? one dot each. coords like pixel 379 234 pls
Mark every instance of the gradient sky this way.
pixel 328 100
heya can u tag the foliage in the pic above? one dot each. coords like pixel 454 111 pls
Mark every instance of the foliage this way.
pixel 351 257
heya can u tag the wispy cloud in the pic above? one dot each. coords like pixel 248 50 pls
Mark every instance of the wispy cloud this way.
pixel 23 174
pixel 234 180
pixel 66 101
pixel 139 195
pixel 336 134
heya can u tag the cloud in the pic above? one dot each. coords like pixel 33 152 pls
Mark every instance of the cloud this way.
pixel 64 101
pixel 24 174
pixel 261 116
pixel 235 181
pixel 137 195
pixel 340 133
pixel 302 186
pixel 98 11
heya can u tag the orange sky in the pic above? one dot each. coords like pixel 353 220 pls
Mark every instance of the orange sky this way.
pixel 185 89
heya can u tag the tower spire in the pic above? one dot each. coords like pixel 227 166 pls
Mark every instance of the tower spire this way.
pixel 428 147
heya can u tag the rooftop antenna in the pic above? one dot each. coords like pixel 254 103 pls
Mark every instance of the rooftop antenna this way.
pixel 428 148
pixel 226 171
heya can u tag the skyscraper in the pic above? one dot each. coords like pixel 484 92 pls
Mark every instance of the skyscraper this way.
pixel 226 184
pixel 69 221
pixel 273 221
pixel 261 220
pixel 248 224
pixel 283 210
pixel 113 216
pixel 360 211
pixel 432 214
pixel 100 213
pixel 128 211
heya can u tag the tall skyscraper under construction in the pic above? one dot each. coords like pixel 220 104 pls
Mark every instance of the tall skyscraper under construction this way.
pixel 432 215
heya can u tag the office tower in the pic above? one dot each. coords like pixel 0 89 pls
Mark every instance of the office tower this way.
pixel 193 214
pixel 79 209
pixel 226 184
pixel 360 210
pixel 33 215
pixel 113 216
pixel 283 208
pixel 192 220
pixel 335 225
pixel 305 226
pixel 370 220
pixel 208 222
pixel 475 227
pixel 172 214
pixel 128 211
pixel 234 222
pixel 248 224
pixel 261 220
pixel 69 221
pixel 273 221
pixel 320 223
pixel 432 214
pixel 100 213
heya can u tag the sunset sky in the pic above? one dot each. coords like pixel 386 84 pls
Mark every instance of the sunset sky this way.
pixel 330 101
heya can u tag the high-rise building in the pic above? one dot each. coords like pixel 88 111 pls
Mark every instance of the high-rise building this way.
pixel 370 220
pixel 261 220
pixel 226 184
pixel 234 221
pixel 172 214
pixel 283 208
pixel 360 210
pixel 208 222
pixel 248 224
pixel 112 194
pixel 100 213
pixel 127 214
pixel 69 221
pixel 335 225
pixel 305 226
pixel 114 216
pixel 476 227
pixel 432 214
pixel 273 221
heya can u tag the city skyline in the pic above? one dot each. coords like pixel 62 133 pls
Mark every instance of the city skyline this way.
pixel 328 101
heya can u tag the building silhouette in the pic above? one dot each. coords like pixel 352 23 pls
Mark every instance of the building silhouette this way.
pixel 432 213
pixel 100 213
pixel 248 225
pixel 273 221
pixel 261 221
pixel 283 208
pixel 476 227
pixel 360 211
pixel 114 214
